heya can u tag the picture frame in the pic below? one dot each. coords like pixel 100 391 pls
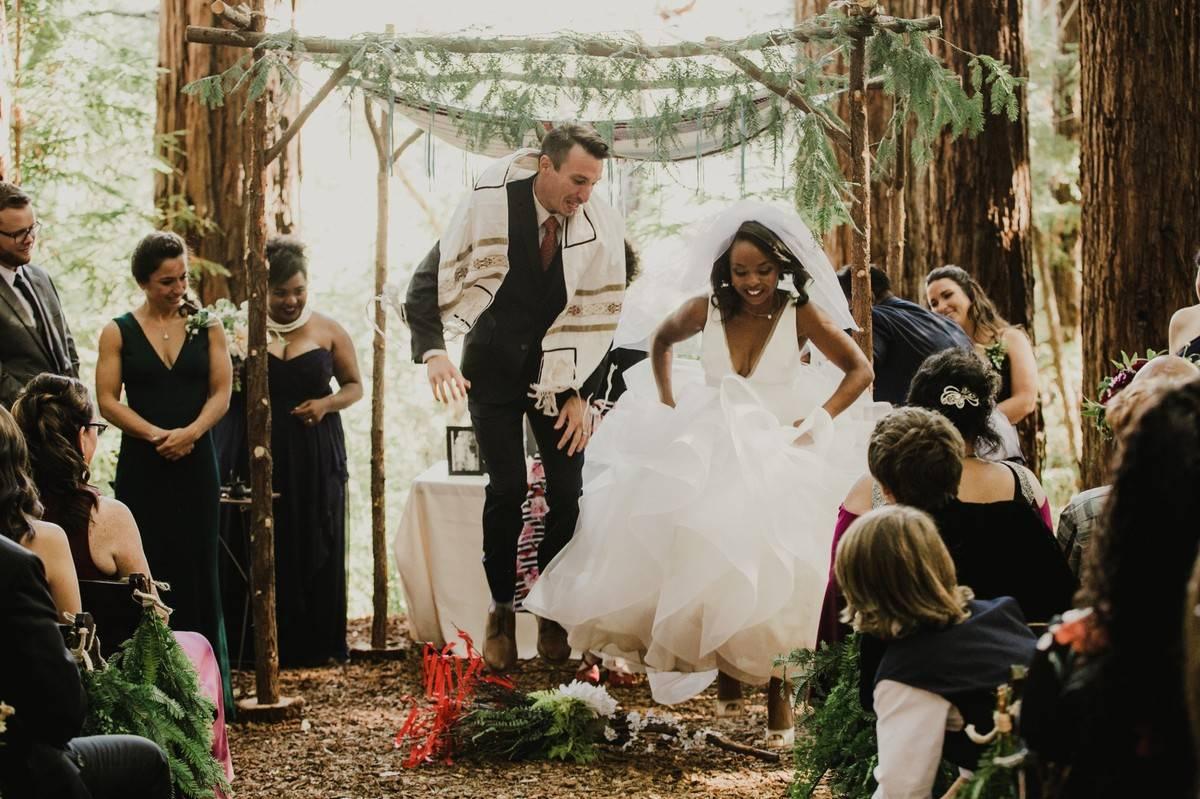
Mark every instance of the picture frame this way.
pixel 462 452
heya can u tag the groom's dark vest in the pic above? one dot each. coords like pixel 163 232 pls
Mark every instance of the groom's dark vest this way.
pixel 503 351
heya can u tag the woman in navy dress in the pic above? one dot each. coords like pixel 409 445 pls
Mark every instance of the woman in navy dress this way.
pixel 308 447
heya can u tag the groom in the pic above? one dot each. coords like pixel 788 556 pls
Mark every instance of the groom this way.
pixel 531 268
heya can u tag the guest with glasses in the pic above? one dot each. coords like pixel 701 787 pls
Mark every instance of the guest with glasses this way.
pixel 34 336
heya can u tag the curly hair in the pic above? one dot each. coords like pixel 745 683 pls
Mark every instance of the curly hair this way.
pixel 286 258
pixel 1135 580
pixel 916 455
pixel 18 494
pixel 51 410
pixel 724 298
pixel 897 574
pixel 947 382
pixel 989 324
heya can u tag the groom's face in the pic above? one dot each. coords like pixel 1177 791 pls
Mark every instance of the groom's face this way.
pixel 563 189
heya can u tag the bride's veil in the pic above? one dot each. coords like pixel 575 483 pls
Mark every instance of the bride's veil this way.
pixel 660 290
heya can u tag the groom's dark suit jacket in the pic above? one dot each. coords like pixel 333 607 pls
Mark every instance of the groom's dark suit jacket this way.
pixel 23 353
pixel 503 351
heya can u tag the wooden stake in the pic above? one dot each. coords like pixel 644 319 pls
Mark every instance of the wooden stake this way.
pixel 860 212
pixel 267 705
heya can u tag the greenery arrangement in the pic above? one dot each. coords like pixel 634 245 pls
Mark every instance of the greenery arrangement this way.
pixel 835 735
pixel 150 688
pixel 782 85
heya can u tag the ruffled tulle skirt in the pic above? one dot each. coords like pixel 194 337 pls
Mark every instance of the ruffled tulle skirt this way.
pixel 704 531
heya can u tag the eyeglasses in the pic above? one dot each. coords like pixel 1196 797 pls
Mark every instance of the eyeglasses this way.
pixel 100 426
pixel 24 233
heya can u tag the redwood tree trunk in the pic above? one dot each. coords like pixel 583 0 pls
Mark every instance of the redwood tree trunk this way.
pixel 7 67
pixel 202 195
pixel 1140 158
pixel 980 187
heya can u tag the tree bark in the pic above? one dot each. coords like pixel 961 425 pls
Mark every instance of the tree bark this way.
pixel 981 188
pixel 258 407
pixel 201 194
pixel 860 174
pixel 1140 158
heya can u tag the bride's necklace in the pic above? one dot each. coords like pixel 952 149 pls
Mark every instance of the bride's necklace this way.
pixel 769 315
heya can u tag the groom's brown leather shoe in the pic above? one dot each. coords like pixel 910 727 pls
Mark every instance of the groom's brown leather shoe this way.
pixel 500 644
pixel 552 642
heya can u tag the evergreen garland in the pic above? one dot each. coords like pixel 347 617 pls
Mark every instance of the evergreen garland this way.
pixel 149 688
pixel 502 93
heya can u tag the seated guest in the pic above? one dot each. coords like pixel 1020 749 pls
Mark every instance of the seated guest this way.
pixel 1104 701
pixel 946 652
pixel 943 382
pixel 58 419
pixel 1185 324
pixel 953 293
pixel 39 753
pixel 1000 545
pixel 903 335
pixel 46 540
pixel 1082 514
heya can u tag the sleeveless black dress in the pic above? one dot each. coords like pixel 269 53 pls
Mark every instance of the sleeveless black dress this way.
pixel 310 514
pixel 175 503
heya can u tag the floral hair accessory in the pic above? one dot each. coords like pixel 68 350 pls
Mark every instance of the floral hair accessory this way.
pixel 1110 386
pixel 959 397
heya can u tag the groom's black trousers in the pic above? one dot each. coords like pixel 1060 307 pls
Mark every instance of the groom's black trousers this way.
pixel 500 432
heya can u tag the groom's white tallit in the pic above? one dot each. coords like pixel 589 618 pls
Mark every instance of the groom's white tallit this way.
pixel 474 262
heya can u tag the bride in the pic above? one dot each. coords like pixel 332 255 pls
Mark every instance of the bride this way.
pixel 711 490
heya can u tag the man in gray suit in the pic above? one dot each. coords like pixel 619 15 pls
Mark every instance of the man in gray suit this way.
pixel 34 336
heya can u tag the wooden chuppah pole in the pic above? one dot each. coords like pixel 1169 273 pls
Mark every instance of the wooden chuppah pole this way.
pixel 267 705
pixel 385 159
pixel 860 212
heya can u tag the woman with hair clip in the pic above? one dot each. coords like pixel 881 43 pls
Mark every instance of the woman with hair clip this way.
pixel 703 538
pixel 57 417
pixel 308 350
pixel 175 370
pixel 952 292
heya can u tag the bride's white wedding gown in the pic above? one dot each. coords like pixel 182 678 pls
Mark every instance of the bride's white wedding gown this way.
pixel 704 532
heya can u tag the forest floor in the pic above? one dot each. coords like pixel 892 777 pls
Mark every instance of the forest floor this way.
pixel 342 746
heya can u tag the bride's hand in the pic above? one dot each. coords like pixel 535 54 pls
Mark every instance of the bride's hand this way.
pixel 805 439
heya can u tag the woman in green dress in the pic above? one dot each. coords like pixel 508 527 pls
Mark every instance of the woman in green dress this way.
pixel 177 377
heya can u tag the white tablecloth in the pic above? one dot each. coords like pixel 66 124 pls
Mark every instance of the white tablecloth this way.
pixel 438 549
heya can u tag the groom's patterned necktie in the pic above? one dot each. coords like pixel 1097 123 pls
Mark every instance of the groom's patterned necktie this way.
pixel 549 241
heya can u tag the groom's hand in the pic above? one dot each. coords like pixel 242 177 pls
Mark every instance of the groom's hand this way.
pixel 445 380
pixel 575 422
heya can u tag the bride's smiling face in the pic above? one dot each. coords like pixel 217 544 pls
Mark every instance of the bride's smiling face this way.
pixel 753 275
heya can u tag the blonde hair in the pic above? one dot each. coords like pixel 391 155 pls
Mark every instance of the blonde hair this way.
pixel 897 575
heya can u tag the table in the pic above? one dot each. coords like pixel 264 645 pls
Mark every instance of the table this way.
pixel 438 548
